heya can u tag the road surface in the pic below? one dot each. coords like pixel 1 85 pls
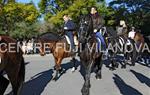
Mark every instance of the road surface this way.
pixel 130 81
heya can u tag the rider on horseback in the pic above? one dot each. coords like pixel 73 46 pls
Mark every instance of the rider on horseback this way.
pixel 122 29
pixel 69 27
pixel 132 33
pixel 98 23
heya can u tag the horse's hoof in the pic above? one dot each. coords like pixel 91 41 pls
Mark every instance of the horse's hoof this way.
pixel 85 91
pixel 123 67
pixel 98 77
pixel 133 64
pixel 73 70
pixel 112 69
pixel 117 65
pixel 54 79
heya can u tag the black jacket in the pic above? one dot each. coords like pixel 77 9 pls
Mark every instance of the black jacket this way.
pixel 70 25
pixel 98 21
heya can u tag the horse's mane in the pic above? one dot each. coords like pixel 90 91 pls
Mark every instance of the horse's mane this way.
pixel 89 18
pixel 49 36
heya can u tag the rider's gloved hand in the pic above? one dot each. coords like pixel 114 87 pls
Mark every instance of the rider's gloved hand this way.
pixel 65 28
pixel 95 30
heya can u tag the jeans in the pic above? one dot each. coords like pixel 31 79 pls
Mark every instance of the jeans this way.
pixel 70 35
pixel 99 35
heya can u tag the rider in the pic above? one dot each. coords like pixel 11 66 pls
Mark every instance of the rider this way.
pixel 98 23
pixel 69 27
pixel 122 29
pixel 132 33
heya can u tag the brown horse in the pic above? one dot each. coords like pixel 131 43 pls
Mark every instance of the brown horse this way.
pixel 12 63
pixel 139 40
pixel 141 43
pixel 58 47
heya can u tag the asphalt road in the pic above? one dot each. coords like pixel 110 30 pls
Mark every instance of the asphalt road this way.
pixel 130 81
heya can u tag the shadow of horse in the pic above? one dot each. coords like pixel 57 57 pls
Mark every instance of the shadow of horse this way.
pixel 141 78
pixel 26 63
pixel 124 88
pixel 67 66
pixel 36 85
pixel 143 63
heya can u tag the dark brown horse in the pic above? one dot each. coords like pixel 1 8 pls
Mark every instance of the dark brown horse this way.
pixel 60 49
pixel 12 63
pixel 89 55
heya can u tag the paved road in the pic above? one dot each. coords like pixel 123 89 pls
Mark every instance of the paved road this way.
pixel 131 81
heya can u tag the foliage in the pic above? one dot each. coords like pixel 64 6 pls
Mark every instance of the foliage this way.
pixel 12 13
pixel 55 9
pixel 135 12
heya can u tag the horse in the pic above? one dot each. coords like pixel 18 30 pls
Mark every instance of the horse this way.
pixel 141 42
pixel 118 44
pixel 12 64
pixel 88 54
pixel 60 49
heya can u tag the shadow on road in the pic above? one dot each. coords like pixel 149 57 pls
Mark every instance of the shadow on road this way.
pixel 37 83
pixel 124 88
pixel 141 78
pixel 67 66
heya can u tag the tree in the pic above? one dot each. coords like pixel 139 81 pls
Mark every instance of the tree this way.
pixel 12 13
pixel 135 12
pixel 55 9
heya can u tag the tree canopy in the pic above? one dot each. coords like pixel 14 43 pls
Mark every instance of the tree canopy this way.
pixel 134 12
pixel 55 9
pixel 12 13
pixel 21 20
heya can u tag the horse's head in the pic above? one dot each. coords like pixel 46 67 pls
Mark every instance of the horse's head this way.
pixel 85 28
pixel 108 33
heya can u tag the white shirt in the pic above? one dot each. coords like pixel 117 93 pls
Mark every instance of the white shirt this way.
pixel 131 34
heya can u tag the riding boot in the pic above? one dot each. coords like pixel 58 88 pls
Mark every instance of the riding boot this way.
pixel 3 84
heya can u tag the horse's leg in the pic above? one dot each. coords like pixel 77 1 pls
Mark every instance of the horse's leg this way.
pixel 114 65
pixel 99 66
pixel 21 76
pixel 2 65
pixel 57 68
pixel 14 82
pixel 3 84
pixel 134 57
pixel 86 87
pixel 74 64
pixel 16 76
